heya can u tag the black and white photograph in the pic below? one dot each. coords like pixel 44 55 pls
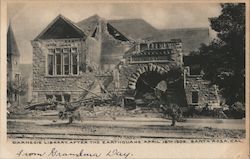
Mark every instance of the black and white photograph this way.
pixel 125 73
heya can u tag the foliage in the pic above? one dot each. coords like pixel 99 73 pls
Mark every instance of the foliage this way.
pixel 17 86
pixel 223 60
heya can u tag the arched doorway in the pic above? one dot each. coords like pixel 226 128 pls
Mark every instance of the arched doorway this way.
pixel 147 84
pixel 147 68
pixel 150 85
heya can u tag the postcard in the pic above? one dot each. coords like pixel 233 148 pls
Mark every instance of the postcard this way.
pixel 124 79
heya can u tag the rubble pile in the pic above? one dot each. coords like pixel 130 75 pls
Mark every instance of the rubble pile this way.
pixel 16 109
pixel 116 111
pixel 102 111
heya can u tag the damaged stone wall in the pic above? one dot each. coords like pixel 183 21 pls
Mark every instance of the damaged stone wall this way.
pixel 112 43
pixel 93 53
pixel 112 53
pixel 112 48
pixel 105 80
pixel 147 51
pixel 127 71
pixel 170 73
pixel 74 85
pixel 207 93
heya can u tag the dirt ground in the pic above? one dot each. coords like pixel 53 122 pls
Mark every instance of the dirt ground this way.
pixel 121 128
pixel 116 122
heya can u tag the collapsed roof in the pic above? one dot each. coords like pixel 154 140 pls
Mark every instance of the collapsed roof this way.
pixel 95 23
pixel 123 30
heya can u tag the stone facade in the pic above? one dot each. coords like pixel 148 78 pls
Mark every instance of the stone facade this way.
pixel 91 47
pixel 88 49
pixel 112 43
pixel 144 57
pixel 128 74
pixel 182 88
pixel 200 92
pixel 73 85
pixel 158 51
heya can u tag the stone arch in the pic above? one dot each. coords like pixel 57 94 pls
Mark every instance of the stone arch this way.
pixel 146 68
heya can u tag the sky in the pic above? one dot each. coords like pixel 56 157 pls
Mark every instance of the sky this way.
pixel 29 19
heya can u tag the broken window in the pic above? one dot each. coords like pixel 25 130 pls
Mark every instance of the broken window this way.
pixel 195 97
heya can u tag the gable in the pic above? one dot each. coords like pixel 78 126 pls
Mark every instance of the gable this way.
pixel 61 28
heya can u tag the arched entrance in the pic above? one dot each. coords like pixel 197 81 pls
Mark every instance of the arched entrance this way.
pixel 156 84
pixel 149 84
pixel 148 68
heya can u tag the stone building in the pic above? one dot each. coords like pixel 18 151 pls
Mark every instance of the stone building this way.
pixel 70 59
pixel 62 56
pixel 65 55
pixel 13 60
pixel 149 63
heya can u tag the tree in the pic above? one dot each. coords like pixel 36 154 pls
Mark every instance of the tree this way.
pixel 223 60
pixel 15 89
